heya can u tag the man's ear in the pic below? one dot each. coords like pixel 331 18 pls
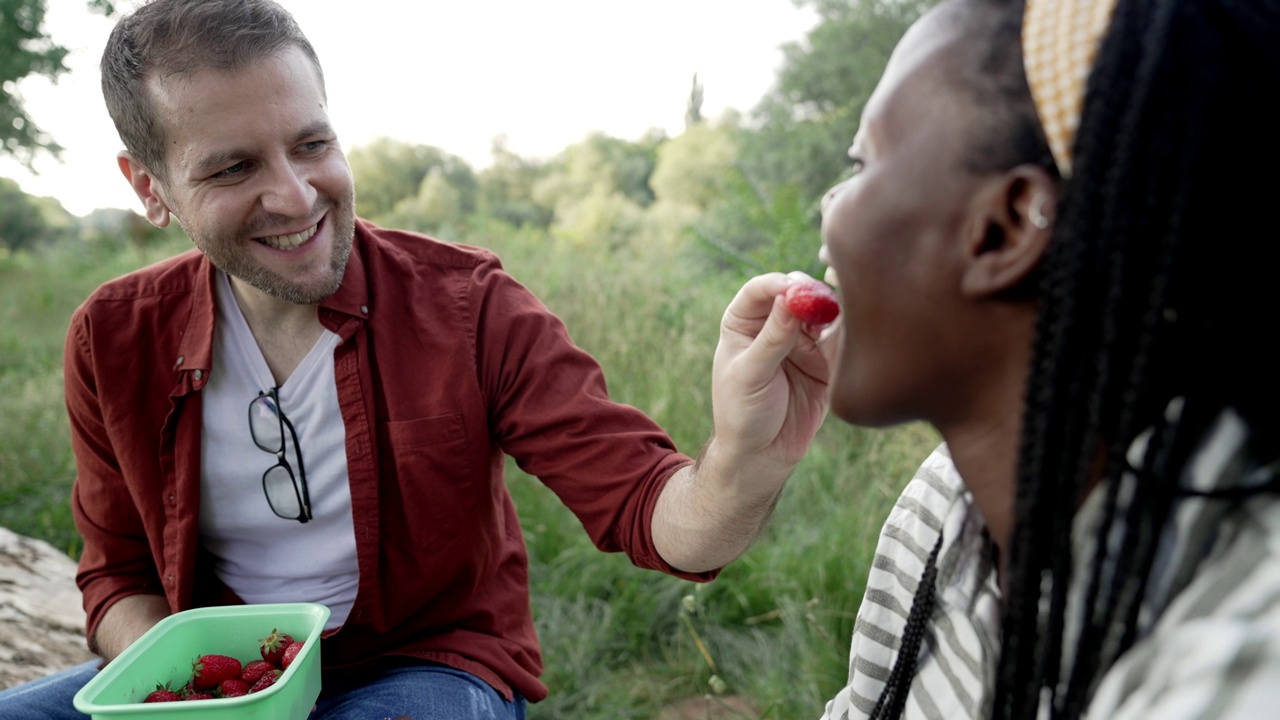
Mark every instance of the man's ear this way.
pixel 1017 215
pixel 146 186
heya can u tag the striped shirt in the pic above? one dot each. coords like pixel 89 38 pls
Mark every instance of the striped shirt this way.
pixel 955 676
pixel 1209 646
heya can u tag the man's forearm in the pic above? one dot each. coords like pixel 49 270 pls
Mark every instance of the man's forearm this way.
pixel 126 621
pixel 709 513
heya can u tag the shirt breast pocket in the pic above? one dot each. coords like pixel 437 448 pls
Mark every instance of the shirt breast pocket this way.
pixel 428 457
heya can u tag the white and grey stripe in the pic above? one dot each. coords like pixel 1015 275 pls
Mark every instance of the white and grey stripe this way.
pixel 955 673
pixel 1210 647
pixel 1211 641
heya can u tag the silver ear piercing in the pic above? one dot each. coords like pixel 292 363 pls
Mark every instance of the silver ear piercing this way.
pixel 1037 216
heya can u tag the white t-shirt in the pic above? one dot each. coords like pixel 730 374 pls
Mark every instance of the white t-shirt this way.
pixel 262 557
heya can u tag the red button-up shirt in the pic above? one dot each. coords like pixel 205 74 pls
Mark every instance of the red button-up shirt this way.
pixel 446 363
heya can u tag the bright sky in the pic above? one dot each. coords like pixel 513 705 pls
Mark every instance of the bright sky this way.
pixel 454 74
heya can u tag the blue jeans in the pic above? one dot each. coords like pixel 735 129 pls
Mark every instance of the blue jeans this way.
pixel 49 697
pixel 419 691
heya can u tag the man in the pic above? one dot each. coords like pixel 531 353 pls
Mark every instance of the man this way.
pixel 308 407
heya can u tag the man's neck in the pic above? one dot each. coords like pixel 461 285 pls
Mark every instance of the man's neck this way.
pixel 285 331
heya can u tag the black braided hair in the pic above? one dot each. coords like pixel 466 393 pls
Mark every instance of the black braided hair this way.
pixel 893 699
pixel 1157 286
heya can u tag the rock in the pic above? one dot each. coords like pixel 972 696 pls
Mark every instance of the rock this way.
pixel 41 618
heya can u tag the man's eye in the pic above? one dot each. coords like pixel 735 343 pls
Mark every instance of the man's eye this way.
pixel 315 146
pixel 231 171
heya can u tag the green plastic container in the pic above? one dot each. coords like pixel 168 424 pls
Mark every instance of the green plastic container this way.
pixel 165 652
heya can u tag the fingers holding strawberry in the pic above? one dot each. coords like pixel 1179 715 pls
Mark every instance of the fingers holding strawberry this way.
pixel 769 376
pixel 812 302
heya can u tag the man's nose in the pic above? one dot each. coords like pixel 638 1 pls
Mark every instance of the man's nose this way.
pixel 290 192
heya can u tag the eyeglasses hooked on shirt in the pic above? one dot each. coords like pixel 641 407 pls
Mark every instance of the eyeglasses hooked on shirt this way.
pixel 286 493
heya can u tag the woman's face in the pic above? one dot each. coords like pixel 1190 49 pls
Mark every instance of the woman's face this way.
pixel 894 235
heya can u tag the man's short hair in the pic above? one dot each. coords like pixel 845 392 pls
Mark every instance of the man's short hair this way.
pixel 166 38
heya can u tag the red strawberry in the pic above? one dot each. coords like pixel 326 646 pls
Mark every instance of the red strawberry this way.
pixel 200 696
pixel 162 693
pixel 273 646
pixel 254 669
pixel 267 680
pixel 812 302
pixel 208 671
pixel 233 687
pixel 290 653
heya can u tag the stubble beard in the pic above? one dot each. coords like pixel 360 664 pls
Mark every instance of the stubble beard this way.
pixel 224 255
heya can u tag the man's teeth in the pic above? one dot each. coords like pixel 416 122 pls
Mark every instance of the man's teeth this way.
pixel 830 277
pixel 289 242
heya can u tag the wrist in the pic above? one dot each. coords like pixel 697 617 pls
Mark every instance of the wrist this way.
pixel 746 475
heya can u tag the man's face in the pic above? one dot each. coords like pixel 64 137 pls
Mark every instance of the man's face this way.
pixel 892 235
pixel 255 174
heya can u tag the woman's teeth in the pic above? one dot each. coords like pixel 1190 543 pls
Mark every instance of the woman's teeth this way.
pixel 830 277
pixel 289 242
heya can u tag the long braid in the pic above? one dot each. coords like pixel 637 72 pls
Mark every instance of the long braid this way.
pixel 1124 571
pixel 1110 410
pixel 1138 306
pixel 893 699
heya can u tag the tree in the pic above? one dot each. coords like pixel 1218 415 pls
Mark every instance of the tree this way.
pixel 693 111
pixel 506 188
pixel 600 162
pixel 804 126
pixel 437 209
pixel 25 50
pixel 26 221
pixel 692 168
pixel 388 172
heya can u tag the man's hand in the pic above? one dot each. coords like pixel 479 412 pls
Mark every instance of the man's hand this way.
pixel 769 398
pixel 769 379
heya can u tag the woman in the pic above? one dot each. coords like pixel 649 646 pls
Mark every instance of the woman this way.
pixel 1064 264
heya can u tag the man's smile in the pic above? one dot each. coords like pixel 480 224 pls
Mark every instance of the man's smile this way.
pixel 291 241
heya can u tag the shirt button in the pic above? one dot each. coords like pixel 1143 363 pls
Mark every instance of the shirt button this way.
pixel 364 309
pixel 199 374
pixel 181 359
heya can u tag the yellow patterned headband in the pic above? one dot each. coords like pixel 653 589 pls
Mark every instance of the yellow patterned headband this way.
pixel 1060 40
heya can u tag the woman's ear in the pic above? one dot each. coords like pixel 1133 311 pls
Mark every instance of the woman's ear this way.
pixel 1017 216
pixel 146 186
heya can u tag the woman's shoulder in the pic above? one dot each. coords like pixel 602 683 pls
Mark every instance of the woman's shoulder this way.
pixel 1215 651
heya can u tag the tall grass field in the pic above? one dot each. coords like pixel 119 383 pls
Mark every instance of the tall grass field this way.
pixel 770 634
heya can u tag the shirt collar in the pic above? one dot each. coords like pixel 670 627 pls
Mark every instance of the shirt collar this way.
pixel 195 351
pixel 352 296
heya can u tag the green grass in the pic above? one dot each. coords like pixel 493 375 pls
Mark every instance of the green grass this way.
pixel 38 293
pixel 618 642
